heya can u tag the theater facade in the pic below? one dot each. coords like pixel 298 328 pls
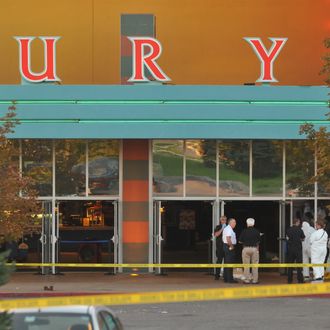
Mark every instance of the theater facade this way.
pixel 142 125
pixel 141 174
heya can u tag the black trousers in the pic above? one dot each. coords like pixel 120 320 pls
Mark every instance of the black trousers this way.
pixel 220 256
pixel 229 259
pixel 295 256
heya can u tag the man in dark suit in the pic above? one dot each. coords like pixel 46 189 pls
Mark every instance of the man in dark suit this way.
pixel 295 237
pixel 219 243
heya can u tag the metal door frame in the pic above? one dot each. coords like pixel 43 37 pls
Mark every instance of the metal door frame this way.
pixel 115 237
pixel 157 235
pixel 45 238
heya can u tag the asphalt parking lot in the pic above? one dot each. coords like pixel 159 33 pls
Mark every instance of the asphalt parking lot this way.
pixel 278 313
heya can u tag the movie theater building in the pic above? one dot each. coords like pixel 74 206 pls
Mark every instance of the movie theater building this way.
pixel 139 171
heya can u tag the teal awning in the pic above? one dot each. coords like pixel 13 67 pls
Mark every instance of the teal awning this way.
pixel 169 112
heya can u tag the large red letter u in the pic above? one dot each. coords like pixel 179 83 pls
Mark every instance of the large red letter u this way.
pixel 49 72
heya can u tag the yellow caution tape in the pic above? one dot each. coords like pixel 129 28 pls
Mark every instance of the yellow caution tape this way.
pixel 173 296
pixel 72 265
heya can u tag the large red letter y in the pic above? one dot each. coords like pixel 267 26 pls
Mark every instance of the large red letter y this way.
pixel 267 58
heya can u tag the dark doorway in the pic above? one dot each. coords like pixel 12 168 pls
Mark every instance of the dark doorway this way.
pixel 266 215
pixel 186 230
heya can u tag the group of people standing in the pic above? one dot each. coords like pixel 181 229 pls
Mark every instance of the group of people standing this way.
pixel 226 242
pixel 304 244
pixel 307 244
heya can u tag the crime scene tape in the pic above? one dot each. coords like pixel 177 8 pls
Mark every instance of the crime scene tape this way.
pixel 173 296
pixel 122 265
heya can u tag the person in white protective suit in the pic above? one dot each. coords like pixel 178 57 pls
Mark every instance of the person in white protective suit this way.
pixel 306 246
pixel 318 241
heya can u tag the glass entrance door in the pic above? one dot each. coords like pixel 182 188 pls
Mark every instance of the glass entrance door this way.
pixel 86 231
pixel 183 230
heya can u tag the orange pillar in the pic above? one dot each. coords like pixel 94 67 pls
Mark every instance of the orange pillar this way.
pixel 135 201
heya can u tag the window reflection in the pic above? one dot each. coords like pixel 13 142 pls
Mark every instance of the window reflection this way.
pixel 37 164
pixel 201 167
pixel 323 184
pixel 103 167
pixel 299 169
pixel 267 168
pixel 168 167
pixel 233 168
pixel 70 167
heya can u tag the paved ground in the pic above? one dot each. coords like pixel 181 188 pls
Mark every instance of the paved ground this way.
pixel 269 314
pixel 25 284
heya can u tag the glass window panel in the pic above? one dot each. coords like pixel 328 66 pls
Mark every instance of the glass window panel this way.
pixel 103 167
pixel 323 185
pixel 299 169
pixel 234 168
pixel 70 167
pixel 200 168
pixel 37 164
pixel 323 210
pixel 267 168
pixel 168 167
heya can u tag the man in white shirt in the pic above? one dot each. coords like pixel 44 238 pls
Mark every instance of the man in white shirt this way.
pixel 229 242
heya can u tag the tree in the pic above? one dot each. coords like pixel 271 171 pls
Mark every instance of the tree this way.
pixel 319 140
pixel 18 198
pixel 4 277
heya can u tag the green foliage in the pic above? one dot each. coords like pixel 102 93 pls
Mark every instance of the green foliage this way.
pixel 5 272
pixel 326 59
pixel 319 140
pixel 18 199
pixel 5 321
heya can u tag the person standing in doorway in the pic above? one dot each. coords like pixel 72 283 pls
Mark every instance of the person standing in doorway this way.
pixel 295 237
pixel 306 246
pixel 327 229
pixel 219 243
pixel 319 241
pixel 250 238
pixel 229 243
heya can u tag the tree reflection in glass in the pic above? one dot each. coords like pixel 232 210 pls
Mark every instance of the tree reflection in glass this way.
pixel 267 168
pixel 168 167
pixel 103 167
pixel 37 164
pixel 200 167
pixel 233 168
pixel 70 167
pixel 299 169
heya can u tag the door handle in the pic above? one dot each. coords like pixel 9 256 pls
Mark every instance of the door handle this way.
pixel 114 239
pixel 43 239
pixel 159 240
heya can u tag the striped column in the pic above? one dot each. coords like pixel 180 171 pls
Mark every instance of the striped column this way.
pixel 132 25
pixel 135 201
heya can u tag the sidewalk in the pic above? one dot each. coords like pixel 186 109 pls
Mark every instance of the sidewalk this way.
pixel 79 283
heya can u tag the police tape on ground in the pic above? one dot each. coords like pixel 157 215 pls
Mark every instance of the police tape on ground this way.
pixel 131 265
pixel 246 292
